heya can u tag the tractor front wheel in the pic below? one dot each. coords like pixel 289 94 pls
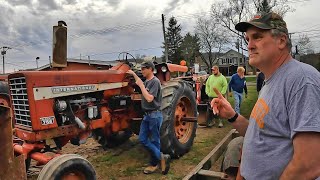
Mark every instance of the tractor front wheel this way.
pixel 67 166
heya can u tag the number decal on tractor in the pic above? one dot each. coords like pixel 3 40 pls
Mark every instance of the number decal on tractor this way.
pixel 47 120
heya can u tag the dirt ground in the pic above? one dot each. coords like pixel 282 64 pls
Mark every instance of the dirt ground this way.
pixel 128 160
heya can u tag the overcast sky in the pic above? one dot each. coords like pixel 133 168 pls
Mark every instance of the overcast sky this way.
pixel 103 28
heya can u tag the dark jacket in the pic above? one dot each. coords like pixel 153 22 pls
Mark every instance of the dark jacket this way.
pixel 237 84
pixel 260 80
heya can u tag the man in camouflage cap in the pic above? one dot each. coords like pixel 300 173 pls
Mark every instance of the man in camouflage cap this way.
pixel 282 134
pixel 265 22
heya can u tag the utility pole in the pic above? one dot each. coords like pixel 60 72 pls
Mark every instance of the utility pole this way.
pixel 297 55
pixel 37 58
pixel 3 52
pixel 49 61
pixel 291 41
pixel 165 40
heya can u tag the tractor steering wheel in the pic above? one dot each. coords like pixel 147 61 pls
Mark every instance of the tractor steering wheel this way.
pixel 125 58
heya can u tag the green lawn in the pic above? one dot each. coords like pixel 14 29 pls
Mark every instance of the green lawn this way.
pixel 248 79
pixel 247 103
pixel 251 79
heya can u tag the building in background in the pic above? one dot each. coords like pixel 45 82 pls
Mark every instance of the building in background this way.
pixel 228 62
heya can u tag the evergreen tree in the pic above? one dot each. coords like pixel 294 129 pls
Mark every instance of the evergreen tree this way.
pixel 190 46
pixel 174 40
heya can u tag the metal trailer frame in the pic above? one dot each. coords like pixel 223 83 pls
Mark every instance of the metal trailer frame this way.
pixel 202 170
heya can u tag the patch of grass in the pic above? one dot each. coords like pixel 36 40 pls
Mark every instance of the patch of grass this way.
pixel 248 79
pixel 247 103
pixel 131 170
pixel 107 159
pixel 251 79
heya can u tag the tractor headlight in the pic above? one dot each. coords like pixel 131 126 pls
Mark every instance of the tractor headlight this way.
pixel 60 106
pixel 155 71
pixel 164 69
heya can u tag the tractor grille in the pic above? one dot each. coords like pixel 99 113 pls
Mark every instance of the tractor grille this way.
pixel 19 96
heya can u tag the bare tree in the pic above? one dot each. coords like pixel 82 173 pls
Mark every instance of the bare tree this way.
pixel 281 7
pixel 229 13
pixel 304 45
pixel 212 40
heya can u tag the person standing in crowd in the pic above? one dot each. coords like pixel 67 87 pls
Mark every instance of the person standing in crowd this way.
pixel 260 80
pixel 215 80
pixel 283 132
pixel 149 135
pixel 237 84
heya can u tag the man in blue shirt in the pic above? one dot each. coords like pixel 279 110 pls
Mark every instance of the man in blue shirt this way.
pixel 237 84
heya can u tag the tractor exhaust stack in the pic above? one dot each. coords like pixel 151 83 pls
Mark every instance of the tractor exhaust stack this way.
pixel 59 45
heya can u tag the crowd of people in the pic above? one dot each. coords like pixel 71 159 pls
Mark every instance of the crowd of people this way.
pixel 280 140
pixel 282 135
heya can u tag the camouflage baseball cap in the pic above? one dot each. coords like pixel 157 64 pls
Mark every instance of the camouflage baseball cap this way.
pixel 267 21
pixel 147 64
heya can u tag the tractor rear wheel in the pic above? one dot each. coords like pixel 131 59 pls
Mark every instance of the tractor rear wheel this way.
pixel 67 166
pixel 178 102
pixel 5 98
pixel 4 94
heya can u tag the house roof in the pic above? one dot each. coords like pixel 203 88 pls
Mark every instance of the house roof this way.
pixel 233 53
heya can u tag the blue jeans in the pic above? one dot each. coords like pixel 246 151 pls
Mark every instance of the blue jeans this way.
pixel 237 100
pixel 149 135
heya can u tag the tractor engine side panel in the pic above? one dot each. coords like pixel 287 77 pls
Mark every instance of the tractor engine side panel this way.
pixel 44 117
pixel 35 96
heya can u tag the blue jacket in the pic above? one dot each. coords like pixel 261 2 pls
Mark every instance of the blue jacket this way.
pixel 237 84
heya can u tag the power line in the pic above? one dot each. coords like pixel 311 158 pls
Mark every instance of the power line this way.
pixel 314 30
pixel 15 65
pixel 117 52
pixel 297 1
pixel 313 26
pixel 145 24
pixel 112 29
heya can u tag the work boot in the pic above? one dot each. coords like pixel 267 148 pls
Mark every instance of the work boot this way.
pixel 150 169
pixel 220 123
pixel 165 163
pixel 211 123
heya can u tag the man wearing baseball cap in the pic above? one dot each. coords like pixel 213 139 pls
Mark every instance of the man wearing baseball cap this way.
pixel 149 135
pixel 282 136
pixel 215 80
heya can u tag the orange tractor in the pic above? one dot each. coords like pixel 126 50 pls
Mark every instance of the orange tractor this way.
pixel 71 106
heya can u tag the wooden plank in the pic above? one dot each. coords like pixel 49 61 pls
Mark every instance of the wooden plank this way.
pixel 212 156
pixel 211 174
